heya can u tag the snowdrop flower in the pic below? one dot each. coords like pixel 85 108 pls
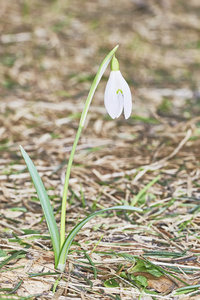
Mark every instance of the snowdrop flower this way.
pixel 117 93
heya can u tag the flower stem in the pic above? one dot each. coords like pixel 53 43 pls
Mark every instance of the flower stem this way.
pixel 66 185
pixel 94 85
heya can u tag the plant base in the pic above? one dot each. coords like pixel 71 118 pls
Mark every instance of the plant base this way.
pixel 61 267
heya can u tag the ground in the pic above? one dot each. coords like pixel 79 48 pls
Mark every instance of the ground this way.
pixel 50 52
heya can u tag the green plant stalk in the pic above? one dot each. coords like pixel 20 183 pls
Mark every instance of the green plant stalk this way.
pixel 94 85
pixel 66 186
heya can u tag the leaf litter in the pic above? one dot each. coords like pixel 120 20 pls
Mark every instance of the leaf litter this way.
pixel 46 70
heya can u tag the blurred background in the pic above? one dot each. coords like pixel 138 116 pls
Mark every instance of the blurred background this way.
pixel 51 49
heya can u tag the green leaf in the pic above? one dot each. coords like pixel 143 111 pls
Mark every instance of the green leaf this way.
pixel 123 275
pixel 2 253
pixel 23 209
pixel 46 206
pixel 140 280
pixel 30 231
pixel 77 228
pixel 144 266
pixel 111 283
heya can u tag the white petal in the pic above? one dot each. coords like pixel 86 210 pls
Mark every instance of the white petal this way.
pixel 111 100
pixel 123 85
pixel 127 103
pixel 120 98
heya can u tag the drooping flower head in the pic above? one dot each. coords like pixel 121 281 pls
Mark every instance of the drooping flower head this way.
pixel 117 93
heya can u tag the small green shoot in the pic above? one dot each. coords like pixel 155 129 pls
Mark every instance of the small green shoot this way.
pixel 140 280
pixel 144 266
pixel 92 264
pixel 13 256
pixel 144 190
pixel 111 283
pixel 56 283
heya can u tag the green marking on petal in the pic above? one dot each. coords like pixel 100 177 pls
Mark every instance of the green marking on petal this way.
pixel 119 91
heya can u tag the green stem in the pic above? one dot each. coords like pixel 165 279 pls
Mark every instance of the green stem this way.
pixel 66 185
pixel 94 85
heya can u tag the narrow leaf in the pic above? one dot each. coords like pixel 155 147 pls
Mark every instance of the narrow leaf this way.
pixel 15 255
pixel 143 191
pixel 111 283
pixel 187 289
pixel 77 228
pixel 46 206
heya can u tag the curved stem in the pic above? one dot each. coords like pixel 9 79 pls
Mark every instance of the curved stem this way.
pixel 94 85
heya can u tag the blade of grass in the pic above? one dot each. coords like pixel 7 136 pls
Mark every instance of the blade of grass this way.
pixel 77 228
pixel 11 269
pixel 16 287
pixel 45 202
pixel 143 191
pixel 42 274
pixel 15 255
pixel 162 253
pixel 92 264
pixel 56 283
pixel 15 297
pixel 97 244
pixel 187 289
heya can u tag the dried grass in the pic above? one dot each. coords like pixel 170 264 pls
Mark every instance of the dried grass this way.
pixel 49 53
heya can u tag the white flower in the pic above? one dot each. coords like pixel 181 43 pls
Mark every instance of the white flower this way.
pixel 117 93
